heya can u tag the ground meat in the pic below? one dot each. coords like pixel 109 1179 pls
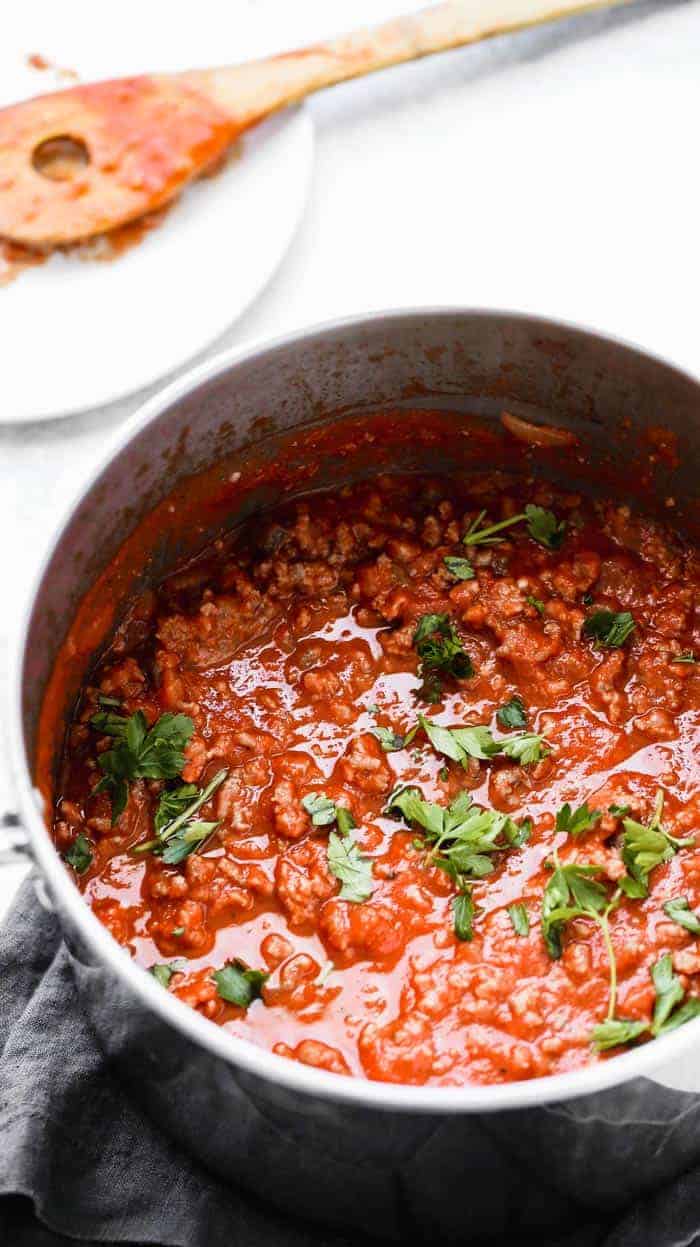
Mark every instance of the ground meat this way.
pixel 292 649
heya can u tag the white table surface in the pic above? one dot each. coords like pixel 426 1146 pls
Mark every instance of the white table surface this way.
pixel 554 171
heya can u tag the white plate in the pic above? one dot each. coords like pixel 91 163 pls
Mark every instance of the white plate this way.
pixel 80 333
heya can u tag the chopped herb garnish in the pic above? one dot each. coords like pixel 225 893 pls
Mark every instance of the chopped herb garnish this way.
pixel 320 808
pixel 477 536
pixel 537 603
pixel 525 748
pixel 572 892
pixel 352 869
pixel 190 838
pixel 177 931
pixel 619 810
pixel 461 840
pixel 440 651
pixel 669 992
pixel 543 526
pixel 520 918
pixel 462 836
pixel 615 1032
pixel 391 741
pixel 172 803
pixel 140 752
pixel 108 701
pixel 462 743
pixel 460 568
pixel 163 973
pixel 678 910
pixel 79 855
pixel 512 714
pixel 609 628
pixel 575 822
pixel 238 985
pixel 344 820
pixel 443 774
pixel 178 832
pixel 463 914
pixel 687 657
pixel 644 848
pixel 323 812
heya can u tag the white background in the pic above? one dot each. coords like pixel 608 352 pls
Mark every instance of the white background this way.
pixel 554 172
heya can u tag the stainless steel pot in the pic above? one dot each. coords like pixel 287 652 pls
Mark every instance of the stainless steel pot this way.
pixel 456 1164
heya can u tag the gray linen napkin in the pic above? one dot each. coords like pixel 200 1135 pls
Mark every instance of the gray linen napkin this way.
pixel 79 1161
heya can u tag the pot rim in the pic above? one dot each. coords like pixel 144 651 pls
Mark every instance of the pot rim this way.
pixel 239 1052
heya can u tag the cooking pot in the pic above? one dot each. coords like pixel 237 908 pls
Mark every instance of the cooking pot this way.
pixel 459 1164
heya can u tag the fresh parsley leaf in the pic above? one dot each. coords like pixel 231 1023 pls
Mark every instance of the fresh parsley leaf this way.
pixel 609 628
pixel 463 835
pixel 238 985
pixel 415 809
pixel 79 855
pixel 615 1032
pixel 344 820
pixel 463 838
pixel 519 918
pixel 537 603
pixel 190 838
pixel 670 1009
pixel 678 910
pixel 687 657
pixel 352 869
pixel 461 569
pixel 572 892
pixel 460 743
pixel 140 752
pixel 178 832
pixel 518 834
pixel 512 714
pixel 544 527
pixel 575 822
pixel 163 973
pixel 391 741
pixel 463 915
pixel 618 810
pixel 323 812
pixel 644 848
pixel 320 808
pixel 172 803
pixel 669 992
pixel 440 649
pixel 687 1011
pixel 525 748
pixel 108 701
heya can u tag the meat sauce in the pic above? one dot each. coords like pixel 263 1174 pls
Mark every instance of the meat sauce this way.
pixel 294 652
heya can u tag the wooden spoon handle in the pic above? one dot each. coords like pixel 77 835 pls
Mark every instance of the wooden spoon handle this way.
pixel 137 141
pixel 251 91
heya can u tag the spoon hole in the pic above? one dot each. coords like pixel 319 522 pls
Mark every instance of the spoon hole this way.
pixel 61 158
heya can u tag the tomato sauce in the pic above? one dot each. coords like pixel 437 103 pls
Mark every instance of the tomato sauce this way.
pixel 291 648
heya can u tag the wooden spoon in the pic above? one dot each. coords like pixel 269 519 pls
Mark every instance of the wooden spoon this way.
pixel 83 161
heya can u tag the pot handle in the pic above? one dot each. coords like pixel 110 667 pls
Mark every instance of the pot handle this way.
pixel 14 842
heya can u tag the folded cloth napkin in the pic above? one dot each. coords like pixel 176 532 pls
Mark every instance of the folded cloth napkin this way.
pixel 79 1161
